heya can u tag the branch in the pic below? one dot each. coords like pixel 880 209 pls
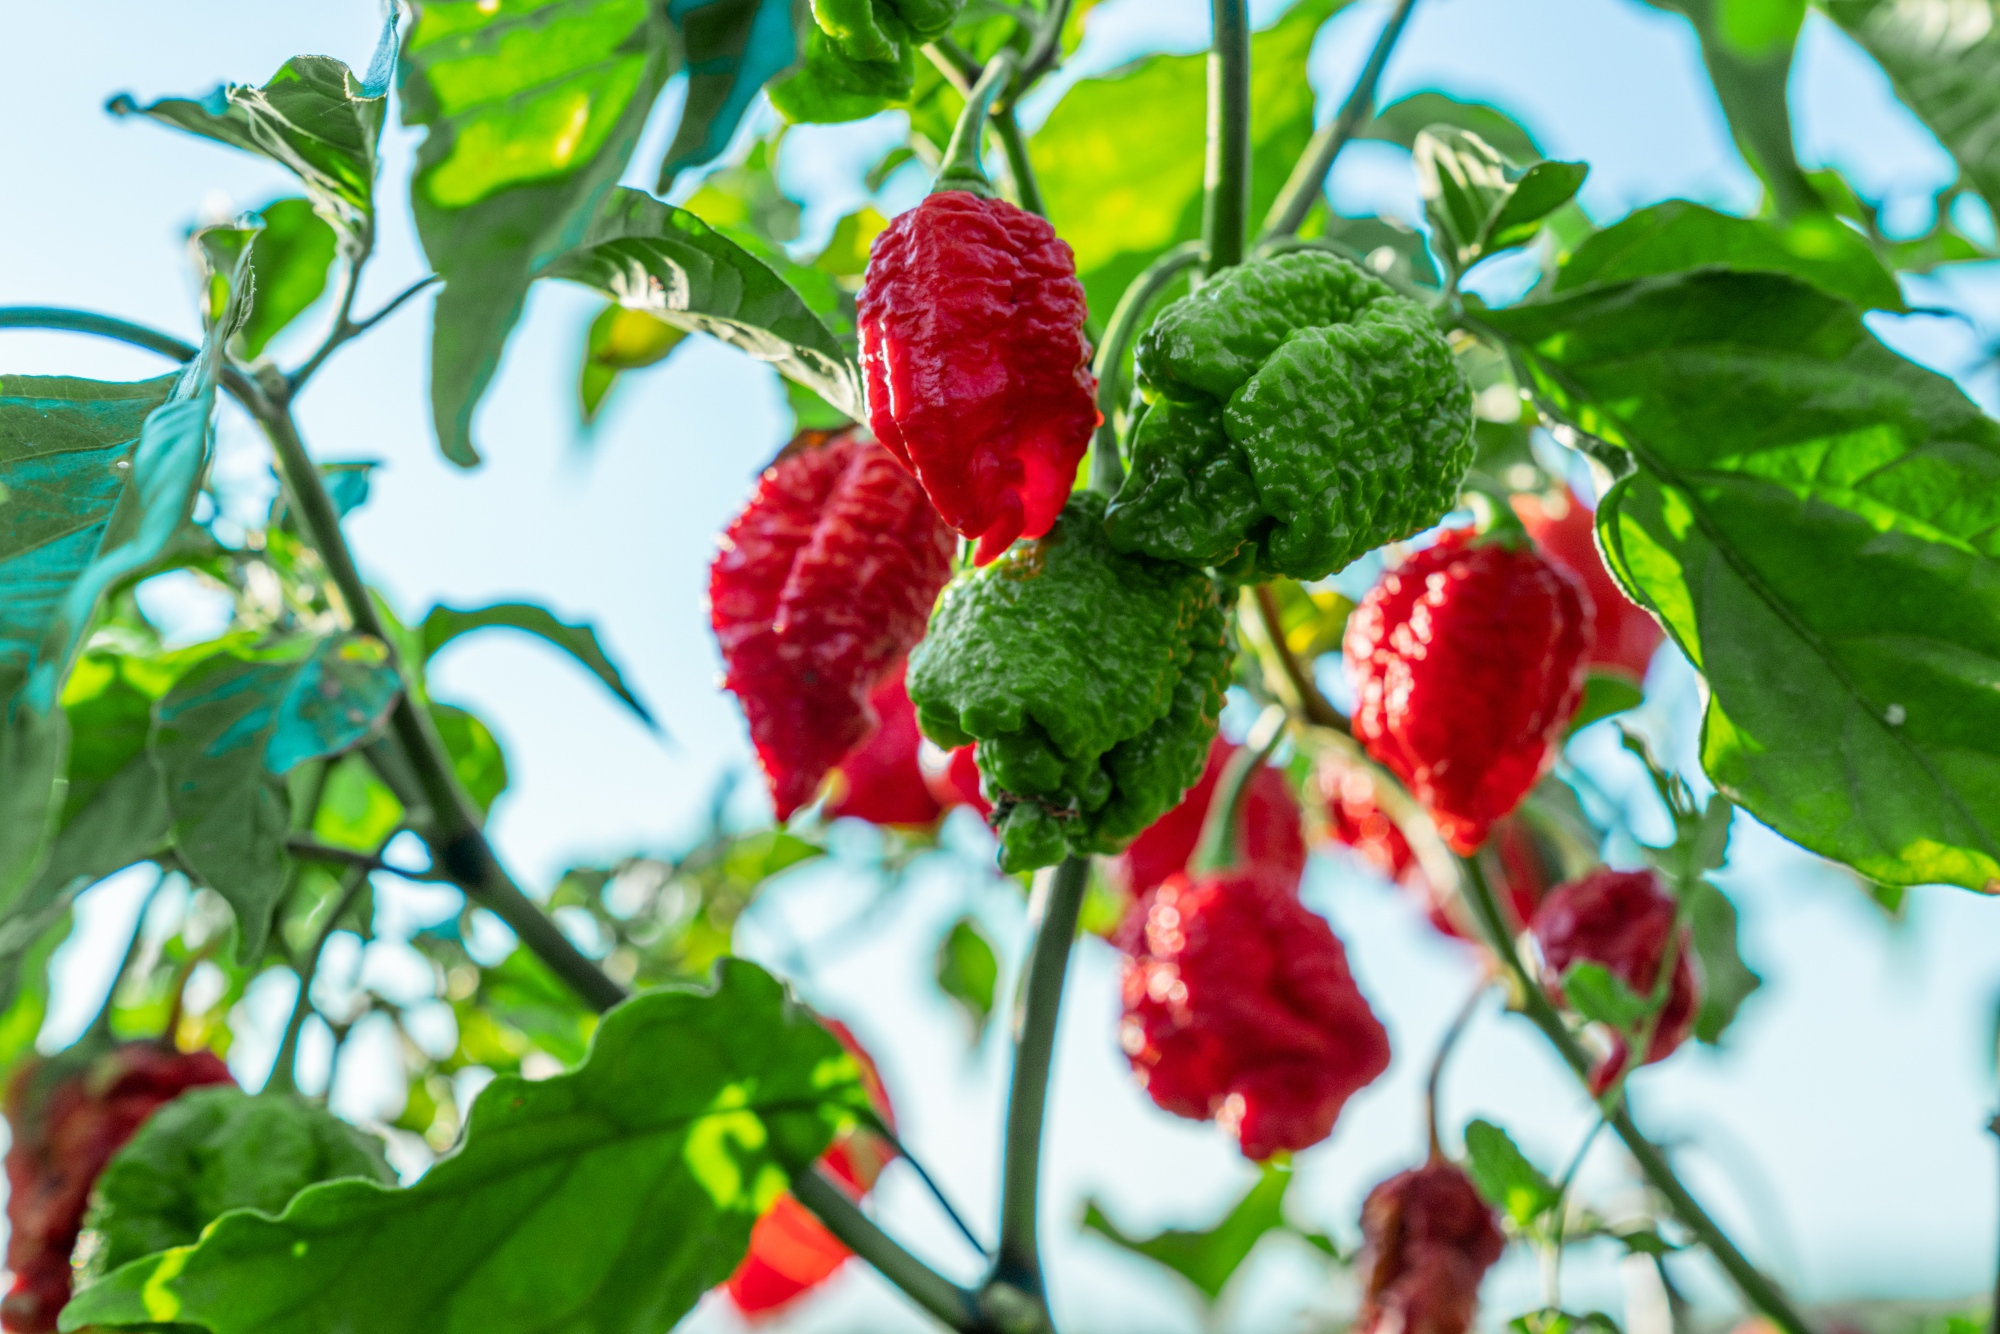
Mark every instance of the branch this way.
pixel 1318 710
pixel 926 1287
pixel 1042 56
pixel 1107 472
pixel 283 1078
pixel 1302 188
pixel 1446 1045
pixel 62 319
pixel 346 328
pixel 1019 166
pixel 1225 213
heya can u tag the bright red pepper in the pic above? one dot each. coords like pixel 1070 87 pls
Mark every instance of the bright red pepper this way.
pixel 821 586
pixel 1566 531
pixel 978 374
pixel 68 1119
pixel 1267 832
pixel 953 776
pixel 1468 662
pixel 880 780
pixel 1239 1007
pixel 1428 1238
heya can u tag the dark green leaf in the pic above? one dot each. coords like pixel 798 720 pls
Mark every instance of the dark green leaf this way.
pixel 1944 63
pixel 968 971
pixel 1677 236
pixel 1605 694
pixel 1208 1259
pixel 620 339
pixel 608 1199
pixel 1504 1175
pixel 533 110
pixel 1645 1241
pixel 1602 997
pixel 1477 200
pixel 1814 520
pixel 1543 189
pixel 1726 981
pixel 1384 246
pixel 475 756
pixel 229 732
pixel 212 1150
pixel 443 624
pixel 665 261
pixel 730 49
pixel 1401 122
pixel 1113 159
pixel 315 118
pixel 290 257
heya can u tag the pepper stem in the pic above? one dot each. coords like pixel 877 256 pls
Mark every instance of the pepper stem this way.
pixel 1226 199
pixel 1217 849
pixel 962 169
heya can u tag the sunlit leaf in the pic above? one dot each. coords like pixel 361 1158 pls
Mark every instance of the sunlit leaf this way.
pixel 442 624
pixel 1605 694
pixel 476 758
pixel 1208 1259
pixel 1478 201
pixel 620 339
pixel 1504 1175
pixel 1601 996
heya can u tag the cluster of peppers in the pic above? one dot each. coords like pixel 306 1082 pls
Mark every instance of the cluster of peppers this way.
pixel 1066 679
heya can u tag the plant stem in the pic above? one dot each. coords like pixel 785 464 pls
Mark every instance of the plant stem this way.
pixel 1028 190
pixel 1308 179
pixel 1993 1321
pixel 1758 1290
pixel 936 1294
pixel 961 169
pixel 1446 1045
pixel 1319 711
pixel 1225 214
pixel 347 328
pixel 61 319
pixel 1043 54
pixel 1107 472
pixel 1216 849
pixel 283 1078
pixel 1053 915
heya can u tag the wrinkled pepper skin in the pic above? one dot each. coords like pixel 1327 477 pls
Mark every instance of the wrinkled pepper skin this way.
pixel 1268 836
pixel 1239 1008
pixel 1620 920
pixel 1301 414
pixel 68 1119
pixel 1427 1239
pixel 978 375
pixel 860 56
pixel 881 780
pixel 1565 530
pixel 819 588
pixel 1467 663
pixel 1091 681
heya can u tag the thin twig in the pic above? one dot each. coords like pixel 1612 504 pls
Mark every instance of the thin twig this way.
pixel 936 1294
pixel 283 1077
pixel 312 850
pixel 1107 471
pixel 346 328
pixel 1319 711
pixel 1446 1045
pixel 937 1191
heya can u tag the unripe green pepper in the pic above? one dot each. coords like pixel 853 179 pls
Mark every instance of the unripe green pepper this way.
pixel 1091 681
pixel 860 56
pixel 1300 414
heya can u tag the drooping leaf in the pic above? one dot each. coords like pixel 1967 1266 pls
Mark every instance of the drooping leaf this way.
pixel 1678 235
pixel 443 624
pixel 1815 520
pixel 1726 981
pixel 212 1150
pixel 1113 160
pixel 730 49
pixel 1479 202
pixel 968 972
pixel 316 118
pixel 1542 189
pixel 1209 1258
pixel 533 110
pixel 620 339
pixel 608 1199
pixel 1401 123
pixel 290 258
pixel 1943 59
pixel 669 263
pixel 476 758
pixel 1504 1175
pixel 229 732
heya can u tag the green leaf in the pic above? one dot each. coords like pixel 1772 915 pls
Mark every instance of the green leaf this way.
pixel 1646 1241
pixel 290 258
pixel 1114 162
pixel 608 1199
pixel 356 808
pixel 229 732
pixel 1726 981
pixel 521 993
pixel 1208 1259
pixel 1542 189
pixel 212 1150
pixel 443 624
pixel 1478 202
pixel 620 339
pixel 476 757
pixel 1383 245
pixel 1678 235
pixel 968 971
pixel 314 118
pixel 1401 123
pixel 846 252
pixel 1605 694
pixel 1602 997
pixel 1552 1320
pixel 1815 520
pixel 663 260
pixel 1505 1177
pixel 26 947
pixel 533 109
pixel 730 49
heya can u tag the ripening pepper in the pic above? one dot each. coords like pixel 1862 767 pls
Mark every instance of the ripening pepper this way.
pixel 978 375
pixel 860 56
pixel 1467 663
pixel 1566 532
pixel 1091 681
pixel 1267 831
pixel 1620 920
pixel 791 1252
pixel 881 780
pixel 1239 1008
pixel 819 588
pixel 1427 1239
pixel 69 1115
pixel 1300 414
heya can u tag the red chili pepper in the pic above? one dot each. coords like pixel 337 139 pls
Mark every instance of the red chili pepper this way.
pixel 979 379
pixel 1267 832
pixel 1468 662
pixel 1566 531
pixel 953 775
pixel 67 1122
pixel 822 584
pixel 1428 1238
pixel 881 780
pixel 1239 1008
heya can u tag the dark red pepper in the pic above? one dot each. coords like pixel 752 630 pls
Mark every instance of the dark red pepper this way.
pixel 978 374
pixel 1239 1007
pixel 1427 1239
pixel 1566 531
pixel 1468 661
pixel 822 584
pixel 1267 832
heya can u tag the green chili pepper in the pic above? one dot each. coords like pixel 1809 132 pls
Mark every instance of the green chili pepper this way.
pixel 860 57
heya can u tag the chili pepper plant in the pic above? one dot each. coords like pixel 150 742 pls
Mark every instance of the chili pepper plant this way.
pixel 1063 488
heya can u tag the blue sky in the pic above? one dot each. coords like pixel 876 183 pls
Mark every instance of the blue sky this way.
pixel 1840 1133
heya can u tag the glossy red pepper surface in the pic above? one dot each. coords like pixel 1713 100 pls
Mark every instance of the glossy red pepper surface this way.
pixel 1268 836
pixel 1566 531
pixel 880 780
